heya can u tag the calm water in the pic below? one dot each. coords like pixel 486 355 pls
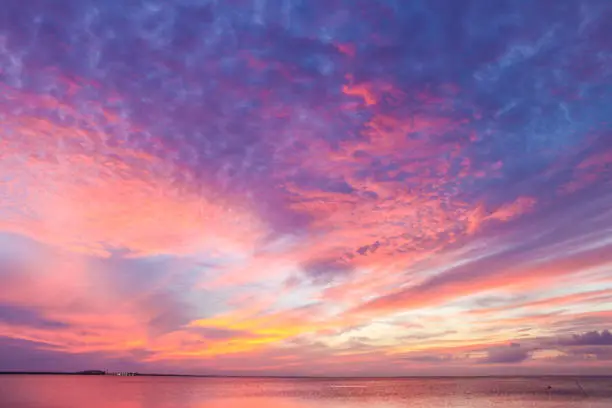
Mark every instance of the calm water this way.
pixel 166 392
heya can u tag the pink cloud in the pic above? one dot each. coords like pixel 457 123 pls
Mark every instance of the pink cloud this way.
pixel 71 188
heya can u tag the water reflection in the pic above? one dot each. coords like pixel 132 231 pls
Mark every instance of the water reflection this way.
pixel 166 392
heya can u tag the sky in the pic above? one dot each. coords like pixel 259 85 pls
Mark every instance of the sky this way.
pixel 306 187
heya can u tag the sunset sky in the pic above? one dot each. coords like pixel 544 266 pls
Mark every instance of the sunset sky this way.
pixel 306 187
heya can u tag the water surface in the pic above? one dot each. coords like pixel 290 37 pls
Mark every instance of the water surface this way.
pixel 165 392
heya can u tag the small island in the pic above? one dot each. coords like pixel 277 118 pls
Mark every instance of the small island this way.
pixel 91 372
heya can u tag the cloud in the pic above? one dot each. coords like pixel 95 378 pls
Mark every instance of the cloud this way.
pixel 512 354
pixel 591 345
pixel 22 316
pixel 426 336
pixel 16 354
pixel 81 304
pixel 429 358
pixel 325 271
pixel 558 301
pixel 130 198
pixel 592 338
pixel 215 333
pixel 512 263
pixel 590 353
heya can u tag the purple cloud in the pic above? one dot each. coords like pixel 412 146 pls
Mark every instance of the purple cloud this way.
pixel 215 333
pixel 592 338
pixel 326 270
pixel 429 358
pixel 512 354
pixel 20 355
pixel 22 316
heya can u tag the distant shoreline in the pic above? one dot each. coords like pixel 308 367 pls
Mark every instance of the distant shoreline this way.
pixel 89 374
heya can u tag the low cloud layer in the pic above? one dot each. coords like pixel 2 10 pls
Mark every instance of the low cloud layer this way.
pixel 592 338
pixel 512 354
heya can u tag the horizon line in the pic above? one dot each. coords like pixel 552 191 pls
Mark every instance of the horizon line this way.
pixel 85 373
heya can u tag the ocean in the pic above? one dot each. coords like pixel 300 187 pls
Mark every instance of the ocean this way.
pixel 56 391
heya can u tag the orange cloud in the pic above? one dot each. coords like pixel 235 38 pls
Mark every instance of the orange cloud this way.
pixel 252 333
